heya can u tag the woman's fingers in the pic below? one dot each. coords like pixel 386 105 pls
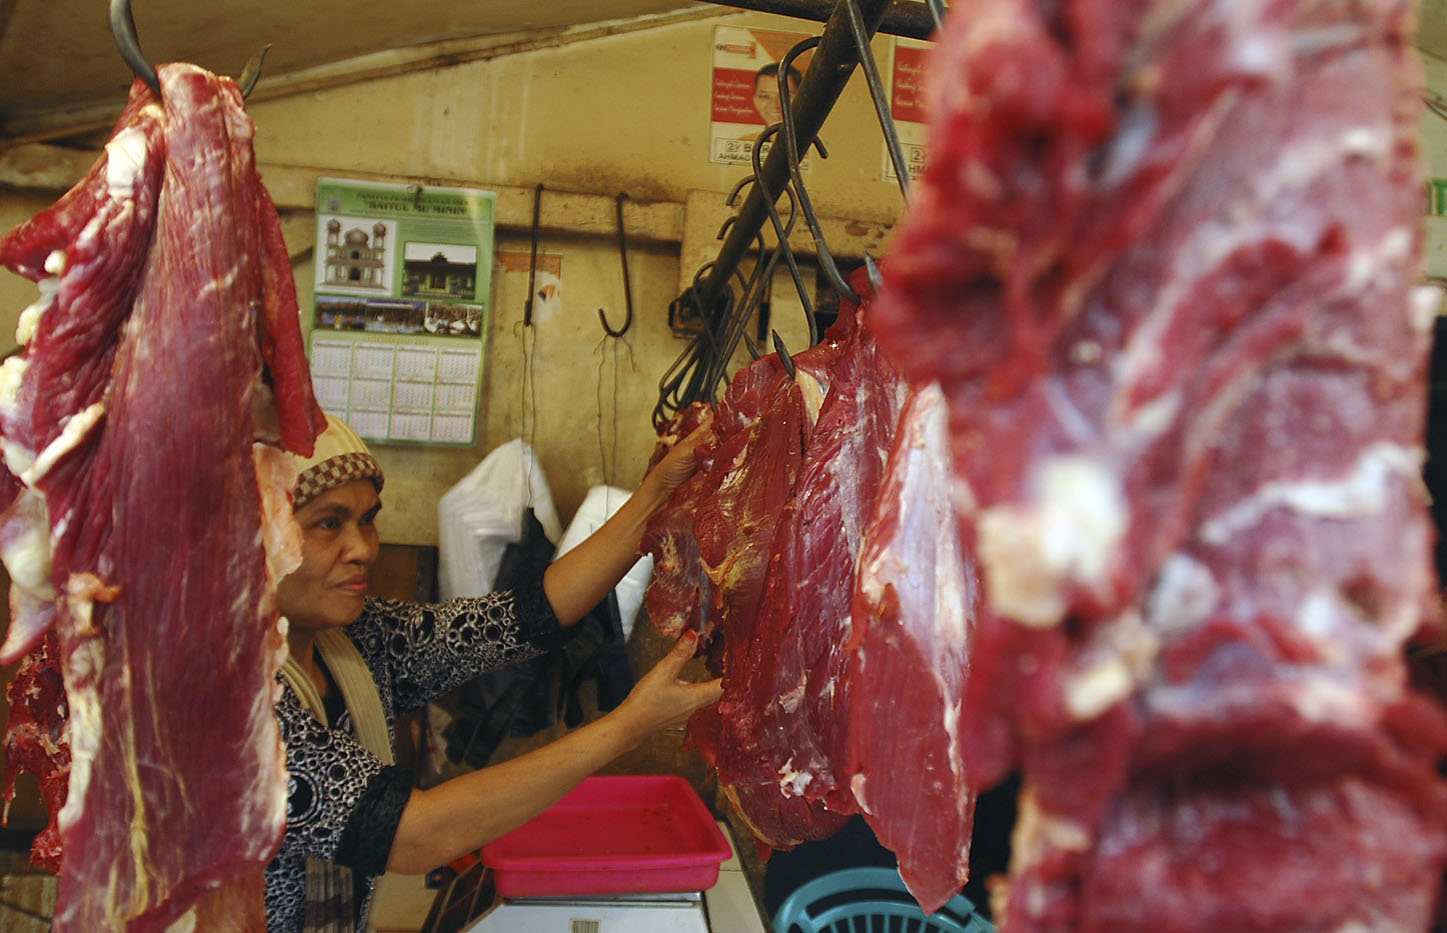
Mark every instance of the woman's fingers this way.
pixel 670 698
pixel 681 462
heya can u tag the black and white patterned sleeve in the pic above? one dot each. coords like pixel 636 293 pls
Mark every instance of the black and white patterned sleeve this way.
pixel 343 803
pixel 432 648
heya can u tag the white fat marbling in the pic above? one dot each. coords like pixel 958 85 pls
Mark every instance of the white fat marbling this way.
pixel 26 553
pixel 125 158
pixel 1185 594
pixel 77 426
pixel 1090 692
pixel 1422 304
pixel 1361 493
pixel 793 782
pixel 30 317
pixel 1068 533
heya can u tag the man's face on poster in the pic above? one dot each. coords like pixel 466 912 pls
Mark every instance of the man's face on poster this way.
pixel 766 97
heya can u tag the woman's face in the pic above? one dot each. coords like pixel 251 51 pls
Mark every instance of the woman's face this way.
pixel 339 544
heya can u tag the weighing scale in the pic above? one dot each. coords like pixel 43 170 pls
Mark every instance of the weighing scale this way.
pixel 685 912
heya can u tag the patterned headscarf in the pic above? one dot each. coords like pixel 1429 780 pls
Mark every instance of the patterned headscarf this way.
pixel 340 457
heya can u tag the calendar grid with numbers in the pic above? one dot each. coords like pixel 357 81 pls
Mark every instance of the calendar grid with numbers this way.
pixel 419 392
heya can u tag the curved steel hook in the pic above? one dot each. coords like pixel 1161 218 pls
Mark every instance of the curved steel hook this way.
pixel 251 73
pixel 871 269
pixel 936 11
pixel 784 356
pixel 123 27
pixel 627 289
pixel 533 261
pixel 734 194
pixel 781 234
pixel 821 248
pixel 876 92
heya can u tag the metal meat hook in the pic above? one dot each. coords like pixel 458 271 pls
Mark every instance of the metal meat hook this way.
pixel 533 261
pixel 821 248
pixel 627 289
pixel 877 93
pixel 123 28
pixel 781 234
pixel 785 357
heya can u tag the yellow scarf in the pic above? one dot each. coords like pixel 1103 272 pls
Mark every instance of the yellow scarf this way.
pixel 359 691
pixel 329 886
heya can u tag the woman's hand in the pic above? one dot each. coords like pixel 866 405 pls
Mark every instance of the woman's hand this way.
pixel 458 816
pixel 660 699
pixel 680 463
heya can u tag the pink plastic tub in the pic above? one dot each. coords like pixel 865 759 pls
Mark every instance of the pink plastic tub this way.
pixel 626 834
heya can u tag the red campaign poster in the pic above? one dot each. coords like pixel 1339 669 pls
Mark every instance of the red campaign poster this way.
pixel 745 88
pixel 908 104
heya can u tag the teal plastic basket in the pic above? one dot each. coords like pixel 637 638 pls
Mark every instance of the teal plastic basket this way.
pixel 870 900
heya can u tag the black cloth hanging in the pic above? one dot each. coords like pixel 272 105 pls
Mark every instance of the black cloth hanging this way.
pixel 529 698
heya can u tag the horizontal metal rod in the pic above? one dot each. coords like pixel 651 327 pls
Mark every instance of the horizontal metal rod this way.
pixel 829 70
pixel 909 19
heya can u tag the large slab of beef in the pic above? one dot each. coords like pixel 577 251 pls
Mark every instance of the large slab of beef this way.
pixel 786 709
pixel 909 651
pixel 142 432
pixel 1161 262
pixel 730 509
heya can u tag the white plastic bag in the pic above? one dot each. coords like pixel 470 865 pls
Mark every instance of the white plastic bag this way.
pixel 598 506
pixel 483 513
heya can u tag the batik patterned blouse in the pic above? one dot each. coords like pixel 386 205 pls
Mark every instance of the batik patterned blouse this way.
pixel 343 804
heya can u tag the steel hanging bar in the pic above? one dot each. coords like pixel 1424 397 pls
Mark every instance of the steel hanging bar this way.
pixel 911 20
pixel 829 71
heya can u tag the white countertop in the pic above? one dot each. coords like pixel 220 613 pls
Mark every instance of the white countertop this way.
pixel 731 905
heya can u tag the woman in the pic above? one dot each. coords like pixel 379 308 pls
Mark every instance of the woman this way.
pixel 356 662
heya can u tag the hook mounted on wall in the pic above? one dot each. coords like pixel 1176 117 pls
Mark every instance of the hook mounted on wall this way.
pixel 627 289
pixel 533 256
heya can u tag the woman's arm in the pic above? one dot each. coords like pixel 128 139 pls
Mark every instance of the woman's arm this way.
pixel 459 816
pixel 580 579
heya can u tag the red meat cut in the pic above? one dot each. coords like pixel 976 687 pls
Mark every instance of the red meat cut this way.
pixel 1161 262
pixel 35 742
pixel 730 508
pixel 680 596
pixel 785 712
pixel 165 365
pixel 913 613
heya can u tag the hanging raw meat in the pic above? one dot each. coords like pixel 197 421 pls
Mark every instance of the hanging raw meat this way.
pixel 163 369
pixel 1161 262
pixel 724 518
pixel 785 712
pixel 909 647
pixel 679 596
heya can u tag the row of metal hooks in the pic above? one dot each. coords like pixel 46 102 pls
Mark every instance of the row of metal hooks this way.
pixel 608 328
pixel 721 296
